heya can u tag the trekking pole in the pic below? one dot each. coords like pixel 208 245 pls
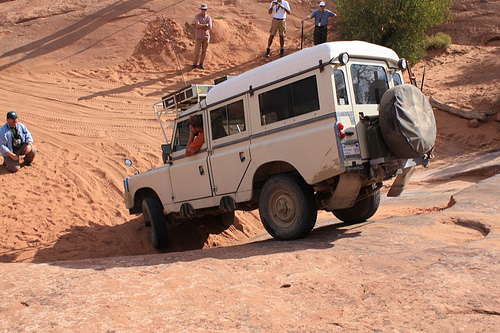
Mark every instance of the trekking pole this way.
pixel 423 78
pixel 302 36
pixel 175 52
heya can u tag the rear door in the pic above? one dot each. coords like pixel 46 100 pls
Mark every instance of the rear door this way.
pixel 229 154
pixel 368 81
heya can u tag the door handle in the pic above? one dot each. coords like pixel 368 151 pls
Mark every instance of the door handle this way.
pixel 202 171
pixel 242 157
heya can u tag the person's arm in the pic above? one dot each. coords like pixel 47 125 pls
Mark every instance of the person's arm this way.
pixel 194 143
pixel 4 141
pixel 205 26
pixel 307 18
pixel 190 152
pixel 286 8
pixel 209 27
pixel 26 135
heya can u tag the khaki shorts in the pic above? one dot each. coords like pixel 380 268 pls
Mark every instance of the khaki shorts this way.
pixel 278 25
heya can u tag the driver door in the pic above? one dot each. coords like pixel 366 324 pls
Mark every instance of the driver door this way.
pixel 189 176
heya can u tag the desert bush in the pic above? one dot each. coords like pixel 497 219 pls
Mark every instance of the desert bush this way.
pixel 398 24
pixel 439 41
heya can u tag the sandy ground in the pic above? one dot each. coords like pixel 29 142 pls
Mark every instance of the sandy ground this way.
pixel 83 76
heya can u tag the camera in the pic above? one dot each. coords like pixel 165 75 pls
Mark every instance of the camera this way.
pixel 17 142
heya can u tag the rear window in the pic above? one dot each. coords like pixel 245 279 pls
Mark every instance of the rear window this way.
pixel 288 101
pixel 227 120
pixel 369 83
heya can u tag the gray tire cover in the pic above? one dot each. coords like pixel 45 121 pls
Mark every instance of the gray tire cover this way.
pixel 407 121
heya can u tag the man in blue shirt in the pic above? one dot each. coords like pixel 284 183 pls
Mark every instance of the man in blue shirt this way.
pixel 321 17
pixel 16 141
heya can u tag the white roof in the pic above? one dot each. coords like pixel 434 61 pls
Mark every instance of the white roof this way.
pixel 294 63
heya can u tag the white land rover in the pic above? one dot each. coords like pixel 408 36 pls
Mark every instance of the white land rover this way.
pixel 318 129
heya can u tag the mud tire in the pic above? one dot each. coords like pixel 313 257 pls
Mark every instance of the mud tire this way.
pixel 226 219
pixel 287 207
pixel 361 211
pixel 155 221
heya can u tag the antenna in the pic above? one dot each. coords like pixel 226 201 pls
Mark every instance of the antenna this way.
pixel 173 47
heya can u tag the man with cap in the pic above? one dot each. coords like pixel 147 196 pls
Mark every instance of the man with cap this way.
pixel 16 141
pixel 203 24
pixel 279 9
pixel 321 16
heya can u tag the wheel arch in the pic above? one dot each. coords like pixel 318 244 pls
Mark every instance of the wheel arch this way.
pixel 266 171
pixel 139 196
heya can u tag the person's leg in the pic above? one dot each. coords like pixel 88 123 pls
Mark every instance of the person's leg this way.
pixel 204 46
pixel 275 24
pixel 317 35
pixel 30 156
pixel 282 37
pixel 11 165
pixel 324 34
pixel 270 41
pixel 197 46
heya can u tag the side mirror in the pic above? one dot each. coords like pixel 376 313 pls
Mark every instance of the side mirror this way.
pixel 128 163
pixel 166 150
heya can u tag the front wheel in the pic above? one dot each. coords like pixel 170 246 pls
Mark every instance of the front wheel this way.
pixel 361 211
pixel 287 207
pixel 154 219
pixel 226 219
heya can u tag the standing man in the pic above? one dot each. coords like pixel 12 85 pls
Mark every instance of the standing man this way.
pixel 321 17
pixel 279 9
pixel 16 141
pixel 203 24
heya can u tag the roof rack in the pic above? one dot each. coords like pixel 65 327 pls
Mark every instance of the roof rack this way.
pixel 180 100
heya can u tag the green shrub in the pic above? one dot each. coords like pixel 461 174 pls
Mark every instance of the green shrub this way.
pixel 439 41
pixel 398 24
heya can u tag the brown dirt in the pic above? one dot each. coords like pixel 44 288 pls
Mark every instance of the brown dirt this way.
pixel 83 76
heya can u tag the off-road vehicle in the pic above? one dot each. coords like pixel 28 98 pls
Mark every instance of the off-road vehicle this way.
pixel 321 128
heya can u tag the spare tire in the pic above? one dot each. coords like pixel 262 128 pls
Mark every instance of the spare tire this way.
pixel 407 121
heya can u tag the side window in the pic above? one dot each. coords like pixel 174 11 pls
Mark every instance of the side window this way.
pixel 340 87
pixel 289 101
pixel 181 137
pixel 369 83
pixel 397 79
pixel 227 120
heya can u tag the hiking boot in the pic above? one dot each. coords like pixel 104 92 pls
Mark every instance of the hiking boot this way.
pixel 282 52
pixel 268 52
pixel 201 66
pixel 194 66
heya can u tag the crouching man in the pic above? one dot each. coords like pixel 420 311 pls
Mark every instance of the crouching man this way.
pixel 16 141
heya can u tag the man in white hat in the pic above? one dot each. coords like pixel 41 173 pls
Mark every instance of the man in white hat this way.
pixel 203 24
pixel 16 141
pixel 321 16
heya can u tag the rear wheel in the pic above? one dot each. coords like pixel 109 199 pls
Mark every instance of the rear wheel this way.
pixel 154 219
pixel 287 207
pixel 361 211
